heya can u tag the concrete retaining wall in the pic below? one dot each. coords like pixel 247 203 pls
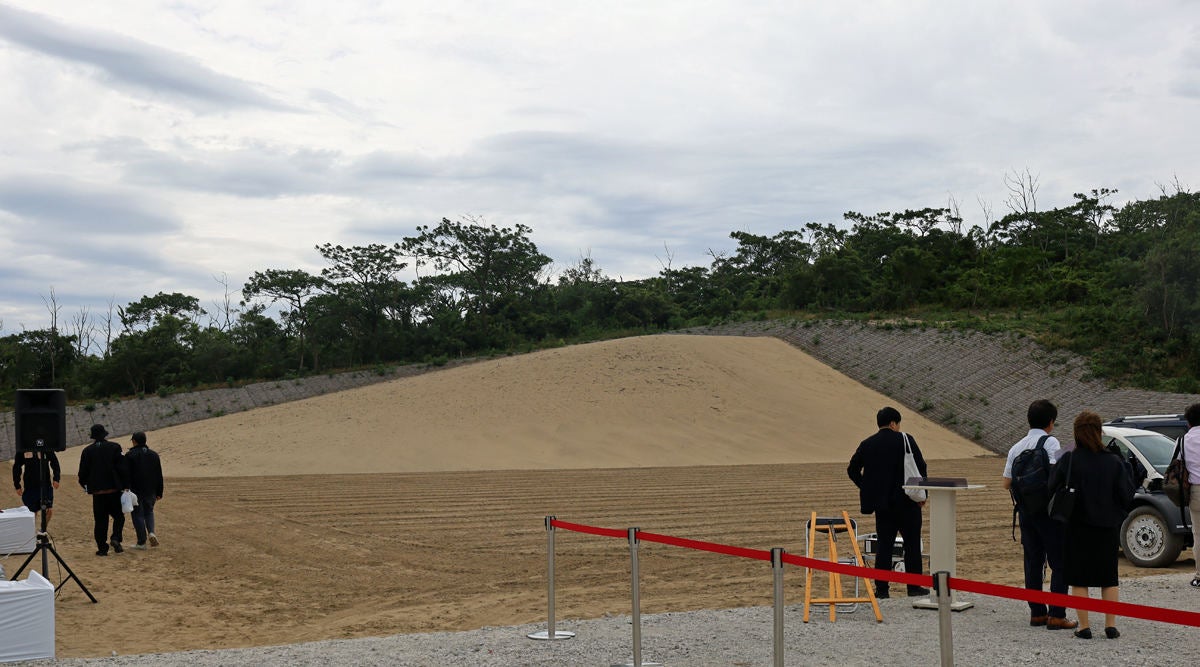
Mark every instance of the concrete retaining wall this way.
pixel 978 385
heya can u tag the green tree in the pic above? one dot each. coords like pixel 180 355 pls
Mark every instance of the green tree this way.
pixel 484 261
pixel 293 288
pixel 365 279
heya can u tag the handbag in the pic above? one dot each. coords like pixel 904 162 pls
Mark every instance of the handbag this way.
pixel 911 470
pixel 1175 482
pixel 1062 503
pixel 128 501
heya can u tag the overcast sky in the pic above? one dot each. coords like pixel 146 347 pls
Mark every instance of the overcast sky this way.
pixel 151 146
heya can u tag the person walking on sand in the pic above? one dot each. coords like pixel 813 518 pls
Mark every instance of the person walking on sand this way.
pixel 102 475
pixel 146 480
pixel 877 469
pixel 1103 496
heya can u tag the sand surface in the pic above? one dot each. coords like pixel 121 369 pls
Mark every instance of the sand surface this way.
pixel 417 505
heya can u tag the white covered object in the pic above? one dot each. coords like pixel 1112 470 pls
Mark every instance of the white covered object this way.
pixel 26 619
pixel 18 531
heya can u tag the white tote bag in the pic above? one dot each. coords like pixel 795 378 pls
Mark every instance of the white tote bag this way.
pixel 911 470
pixel 128 501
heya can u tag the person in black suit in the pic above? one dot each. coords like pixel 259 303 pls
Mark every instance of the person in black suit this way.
pixel 877 469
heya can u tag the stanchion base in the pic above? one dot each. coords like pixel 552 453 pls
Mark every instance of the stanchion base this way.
pixel 931 603
pixel 545 635
pixel 630 664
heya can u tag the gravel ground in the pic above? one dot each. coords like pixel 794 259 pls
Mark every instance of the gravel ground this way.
pixel 993 632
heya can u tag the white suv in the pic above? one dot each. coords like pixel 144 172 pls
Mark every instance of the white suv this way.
pixel 1156 530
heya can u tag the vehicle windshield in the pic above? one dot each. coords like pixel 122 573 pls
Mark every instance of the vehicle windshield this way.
pixel 1156 448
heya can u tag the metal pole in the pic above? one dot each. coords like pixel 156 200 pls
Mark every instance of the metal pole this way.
pixel 941 584
pixel 777 566
pixel 635 590
pixel 549 632
pixel 637 598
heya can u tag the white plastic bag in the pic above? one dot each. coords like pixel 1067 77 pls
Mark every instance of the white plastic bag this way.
pixel 128 501
pixel 911 470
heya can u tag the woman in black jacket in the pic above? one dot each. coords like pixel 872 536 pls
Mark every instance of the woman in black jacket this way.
pixel 1104 492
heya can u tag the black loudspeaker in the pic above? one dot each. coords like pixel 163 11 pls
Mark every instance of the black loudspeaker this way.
pixel 41 420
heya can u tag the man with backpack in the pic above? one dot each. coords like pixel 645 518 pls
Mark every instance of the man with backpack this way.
pixel 1027 476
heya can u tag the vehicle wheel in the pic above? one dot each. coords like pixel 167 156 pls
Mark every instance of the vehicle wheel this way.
pixel 1146 540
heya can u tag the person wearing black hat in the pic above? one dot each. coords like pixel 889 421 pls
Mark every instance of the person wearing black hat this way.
pixel 103 476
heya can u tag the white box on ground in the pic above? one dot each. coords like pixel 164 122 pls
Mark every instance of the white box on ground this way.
pixel 18 531
pixel 26 619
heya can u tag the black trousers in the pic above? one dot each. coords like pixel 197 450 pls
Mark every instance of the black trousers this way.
pixel 1042 542
pixel 105 505
pixel 907 522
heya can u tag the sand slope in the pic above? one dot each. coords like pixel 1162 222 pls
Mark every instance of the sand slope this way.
pixel 649 401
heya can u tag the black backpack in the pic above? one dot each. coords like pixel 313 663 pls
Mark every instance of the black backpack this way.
pixel 1030 488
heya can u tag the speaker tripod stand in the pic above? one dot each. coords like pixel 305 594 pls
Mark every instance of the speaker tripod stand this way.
pixel 45 549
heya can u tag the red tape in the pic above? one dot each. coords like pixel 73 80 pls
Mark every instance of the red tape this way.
pixel 1126 609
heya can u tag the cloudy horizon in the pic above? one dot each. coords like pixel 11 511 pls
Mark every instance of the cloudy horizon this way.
pixel 160 145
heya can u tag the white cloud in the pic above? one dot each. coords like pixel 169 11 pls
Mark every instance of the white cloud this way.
pixel 214 137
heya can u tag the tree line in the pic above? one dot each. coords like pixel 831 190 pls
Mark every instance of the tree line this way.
pixel 1118 284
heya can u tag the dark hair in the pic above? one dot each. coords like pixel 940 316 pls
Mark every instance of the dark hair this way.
pixel 139 438
pixel 887 416
pixel 1088 430
pixel 1192 414
pixel 1042 413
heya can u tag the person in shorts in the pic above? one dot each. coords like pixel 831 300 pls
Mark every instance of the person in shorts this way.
pixel 36 475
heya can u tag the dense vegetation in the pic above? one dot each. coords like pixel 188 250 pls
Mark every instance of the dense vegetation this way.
pixel 1120 285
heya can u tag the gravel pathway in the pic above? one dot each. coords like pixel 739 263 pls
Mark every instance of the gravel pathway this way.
pixel 994 632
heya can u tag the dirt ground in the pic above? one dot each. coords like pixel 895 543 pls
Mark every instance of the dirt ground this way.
pixel 419 505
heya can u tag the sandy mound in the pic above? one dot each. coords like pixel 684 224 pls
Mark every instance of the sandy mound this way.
pixel 635 402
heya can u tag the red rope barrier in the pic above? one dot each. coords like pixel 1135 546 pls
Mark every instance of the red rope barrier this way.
pixel 1176 616
pixel 741 552
pixel 580 528
pixel 1126 609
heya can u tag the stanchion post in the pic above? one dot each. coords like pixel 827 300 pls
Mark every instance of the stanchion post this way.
pixel 941 586
pixel 777 568
pixel 635 589
pixel 550 633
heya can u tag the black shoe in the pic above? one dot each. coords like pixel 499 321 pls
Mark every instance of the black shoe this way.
pixel 1084 633
pixel 102 552
pixel 882 595
pixel 1111 632
pixel 917 591
pixel 116 546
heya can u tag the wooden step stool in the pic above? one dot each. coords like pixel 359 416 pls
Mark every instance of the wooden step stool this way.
pixel 831 527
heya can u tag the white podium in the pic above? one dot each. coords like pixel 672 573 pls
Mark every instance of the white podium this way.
pixel 943 547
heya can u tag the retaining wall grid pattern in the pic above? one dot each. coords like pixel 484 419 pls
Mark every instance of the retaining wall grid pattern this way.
pixel 977 385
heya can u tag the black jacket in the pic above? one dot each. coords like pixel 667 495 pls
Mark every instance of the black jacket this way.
pixel 145 471
pixel 102 468
pixel 1102 482
pixel 877 469
pixel 35 469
